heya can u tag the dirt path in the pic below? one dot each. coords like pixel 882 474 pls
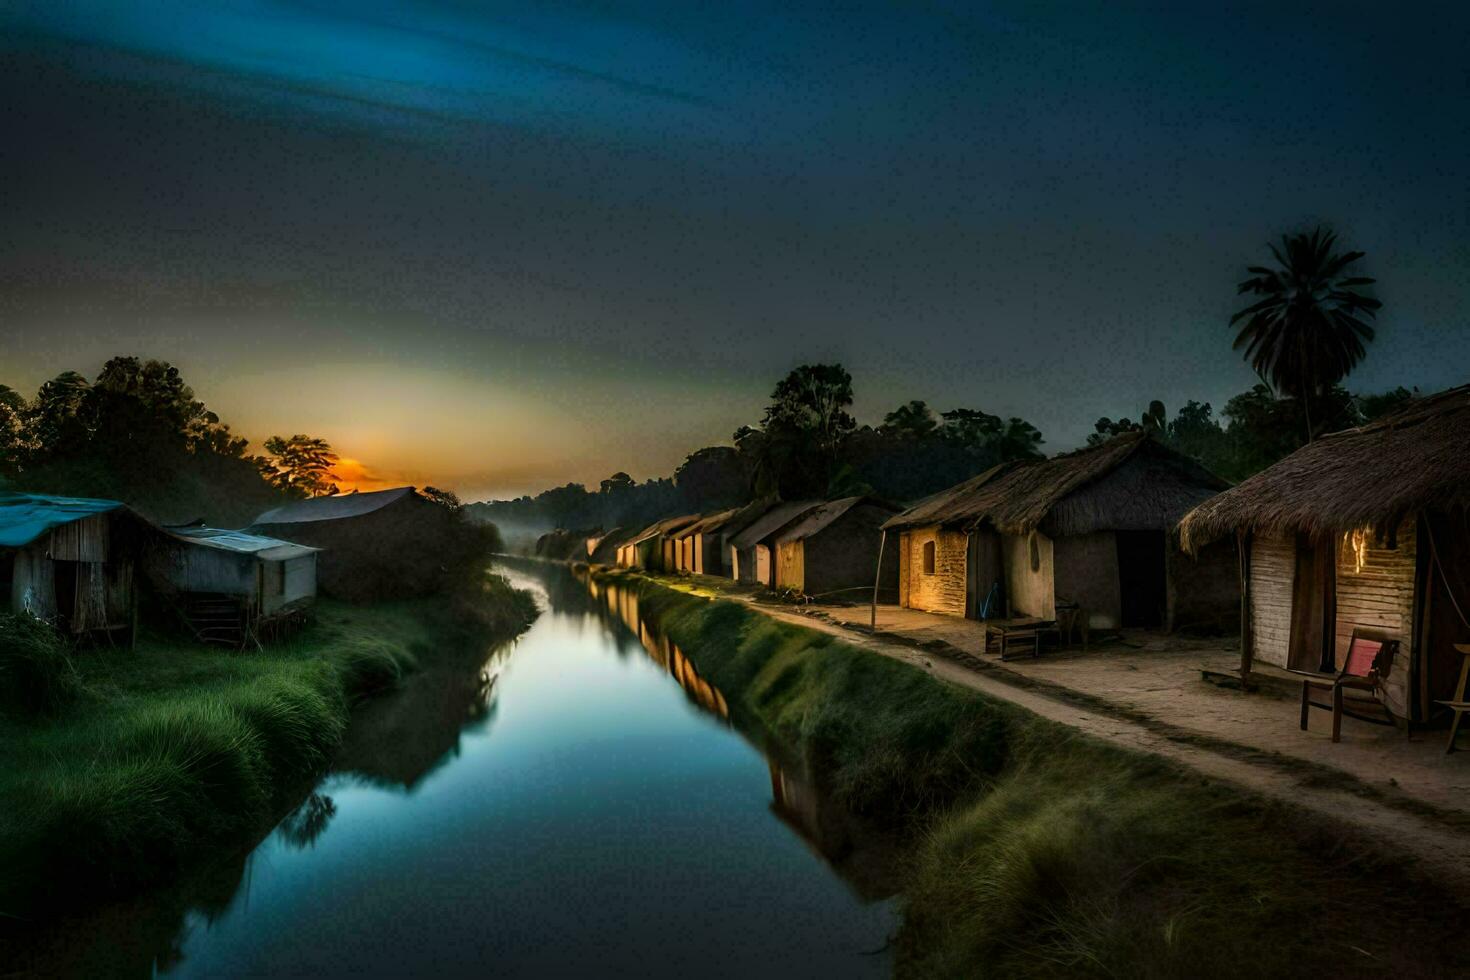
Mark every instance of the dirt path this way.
pixel 1443 849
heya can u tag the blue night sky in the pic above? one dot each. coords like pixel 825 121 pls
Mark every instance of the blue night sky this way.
pixel 498 247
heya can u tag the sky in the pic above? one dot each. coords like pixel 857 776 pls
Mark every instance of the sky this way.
pixel 499 247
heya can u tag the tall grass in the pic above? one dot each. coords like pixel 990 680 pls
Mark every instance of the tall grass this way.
pixel 36 675
pixel 1036 851
pixel 164 752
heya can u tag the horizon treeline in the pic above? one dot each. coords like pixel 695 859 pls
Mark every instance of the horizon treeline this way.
pixel 138 434
pixel 808 445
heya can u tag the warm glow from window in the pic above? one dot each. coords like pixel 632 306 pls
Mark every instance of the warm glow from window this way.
pixel 1357 541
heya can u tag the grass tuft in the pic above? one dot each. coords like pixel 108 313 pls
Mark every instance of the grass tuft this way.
pixel 36 675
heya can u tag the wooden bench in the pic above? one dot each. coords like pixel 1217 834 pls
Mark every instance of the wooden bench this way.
pixel 1019 631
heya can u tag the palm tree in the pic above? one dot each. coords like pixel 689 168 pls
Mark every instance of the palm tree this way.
pixel 1308 330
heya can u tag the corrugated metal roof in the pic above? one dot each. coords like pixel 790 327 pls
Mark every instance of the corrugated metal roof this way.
pixel 24 517
pixel 271 549
pixel 772 521
pixel 821 517
pixel 333 508
pixel 665 526
pixel 710 522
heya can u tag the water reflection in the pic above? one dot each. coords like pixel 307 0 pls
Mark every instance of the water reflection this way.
pixel 550 806
pixel 308 821
pixel 865 858
pixel 399 741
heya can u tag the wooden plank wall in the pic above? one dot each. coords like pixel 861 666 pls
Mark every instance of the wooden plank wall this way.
pixel 790 565
pixel 1380 597
pixel 1273 571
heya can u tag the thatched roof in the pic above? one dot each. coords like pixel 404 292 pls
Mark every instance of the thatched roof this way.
pixel 1372 476
pixel 1130 482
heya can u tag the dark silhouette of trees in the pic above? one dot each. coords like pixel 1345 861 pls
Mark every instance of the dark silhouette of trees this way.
pixel 135 433
pixel 1308 330
pixel 301 466
pixel 713 478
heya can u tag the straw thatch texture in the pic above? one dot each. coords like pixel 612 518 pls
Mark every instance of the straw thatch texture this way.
pixel 1373 476
pixel 1131 482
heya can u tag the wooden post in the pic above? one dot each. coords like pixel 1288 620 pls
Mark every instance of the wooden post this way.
pixel 877 578
pixel 1247 651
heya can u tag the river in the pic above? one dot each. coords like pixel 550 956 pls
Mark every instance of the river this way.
pixel 576 801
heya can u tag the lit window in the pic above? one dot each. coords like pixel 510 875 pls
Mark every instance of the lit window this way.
pixel 928 557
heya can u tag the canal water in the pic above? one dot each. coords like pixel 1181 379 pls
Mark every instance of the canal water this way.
pixel 574 802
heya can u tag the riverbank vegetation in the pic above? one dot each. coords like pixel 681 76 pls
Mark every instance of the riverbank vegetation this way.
pixel 117 767
pixel 1038 851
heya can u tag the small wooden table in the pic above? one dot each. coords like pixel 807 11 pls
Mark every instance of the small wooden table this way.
pixel 1459 705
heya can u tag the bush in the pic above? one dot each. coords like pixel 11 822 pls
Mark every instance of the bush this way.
pixel 36 675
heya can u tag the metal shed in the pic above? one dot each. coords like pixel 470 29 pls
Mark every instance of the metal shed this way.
pixel 70 561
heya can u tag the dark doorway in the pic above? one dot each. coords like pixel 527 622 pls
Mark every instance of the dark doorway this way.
pixel 984 591
pixel 1142 578
pixel 1444 554
pixel 64 581
pixel 1313 607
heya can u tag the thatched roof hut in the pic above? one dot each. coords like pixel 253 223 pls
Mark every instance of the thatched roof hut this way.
pixel 1130 482
pixel 1363 529
pixel 1087 528
pixel 1373 476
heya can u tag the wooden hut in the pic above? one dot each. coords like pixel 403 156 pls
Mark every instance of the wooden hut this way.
pixel 71 561
pixel 1090 528
pixel 752 551
pixel 831 551
pixel 1364 528
pixel 232 586
pixel 653 547
pixel 380 544
pixel 699 543
pixel 602 549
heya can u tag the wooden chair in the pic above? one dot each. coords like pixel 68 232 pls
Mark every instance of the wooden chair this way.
pixel 1366 668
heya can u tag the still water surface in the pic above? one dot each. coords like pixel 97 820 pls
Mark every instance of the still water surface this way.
pixel 575 802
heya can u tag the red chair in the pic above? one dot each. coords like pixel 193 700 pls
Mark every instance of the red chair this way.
pixel 1365 669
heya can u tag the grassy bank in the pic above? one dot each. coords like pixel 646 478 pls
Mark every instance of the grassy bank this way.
pixel 1037 851
pixel 136 762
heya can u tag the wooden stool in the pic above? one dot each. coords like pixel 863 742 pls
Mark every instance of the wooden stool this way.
pixel 1459 705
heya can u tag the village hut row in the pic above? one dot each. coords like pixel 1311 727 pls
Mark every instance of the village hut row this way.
pixel 1362 530
pixel 1090 530
pixel 81 563
pixel 818 548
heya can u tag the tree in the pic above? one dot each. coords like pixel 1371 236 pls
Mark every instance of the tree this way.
pixel 712 478
pixel 13 433
pixel 302 466
pixel 1372 407
pixel 1308 331
pixel 447 499
pixel 804 427
pixel 913 421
